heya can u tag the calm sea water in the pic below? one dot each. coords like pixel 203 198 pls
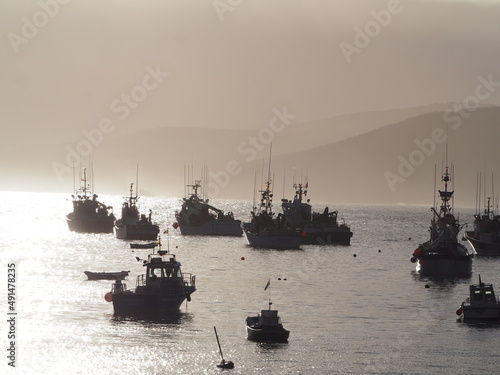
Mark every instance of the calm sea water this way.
pixel 363 314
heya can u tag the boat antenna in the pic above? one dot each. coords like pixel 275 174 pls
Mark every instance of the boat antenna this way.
pixel 284 182
pixel 137 181
pixel 74 186
pixel 254 191
pixel 223 364
pixel 492 195
pixel 268 286
pixel 434 191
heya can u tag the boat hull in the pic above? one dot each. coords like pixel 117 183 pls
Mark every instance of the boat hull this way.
pixel 106 275
pixel 326 236
pixel 265 334
pixel 274 239
pixel 445 265
pixel 483 247
pixel 137 232
pixel 147 305
pixel 491 313
pixel 213 228
pixel 90 225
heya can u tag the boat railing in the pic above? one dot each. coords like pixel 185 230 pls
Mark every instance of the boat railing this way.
pixel 187 280
pixel 118 287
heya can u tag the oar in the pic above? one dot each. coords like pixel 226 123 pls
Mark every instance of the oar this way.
pixel 223 364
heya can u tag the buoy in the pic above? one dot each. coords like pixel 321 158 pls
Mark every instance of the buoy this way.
pixel 175 225
pixel 459 311
pixel 427 286
pixel 279 278
pixel 379 250
pixel 354 255
pixel 242 258
pixel 108 297
pixel 417 251
pixel 413 259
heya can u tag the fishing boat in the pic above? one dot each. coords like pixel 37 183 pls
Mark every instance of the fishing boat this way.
pixel 316 228
pixel 198 217
pixel 265 231
pixel 485 238
pixel 106 275
pixel 482 303
pixel 89 215
pixel 132 225
pixel 266 326
pixel 443 254
pixel 158 293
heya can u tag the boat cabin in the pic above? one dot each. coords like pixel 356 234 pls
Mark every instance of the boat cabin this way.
pixel 482 294
pixel 269 318
pixel 162 271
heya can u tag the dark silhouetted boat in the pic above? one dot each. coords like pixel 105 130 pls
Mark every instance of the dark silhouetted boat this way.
pixel 106 275
pixel 265 231
pixel 197 217
pixel 132 225
pixel 89 215
pixel 443 254
pixel 266 326
pixel 485 238
pixel 158 293
pixel 481 305
pixel 316 228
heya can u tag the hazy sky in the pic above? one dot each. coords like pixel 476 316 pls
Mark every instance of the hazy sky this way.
pixel 65 65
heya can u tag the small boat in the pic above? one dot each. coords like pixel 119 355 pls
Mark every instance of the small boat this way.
pixel 266 327
pixel 482 303
pixel 197 217
pixel 149 245
pixel 443 255
pixel 485 238
pixel 89 215
pixel 316 228
pixel 132 225
pixel 158 293
pixel 106 275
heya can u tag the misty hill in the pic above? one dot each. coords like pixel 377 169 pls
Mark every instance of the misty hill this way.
pixel 352 170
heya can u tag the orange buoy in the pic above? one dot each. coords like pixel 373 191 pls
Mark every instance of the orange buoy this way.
pixel 417 251
pixel 108 297
pixel 459 311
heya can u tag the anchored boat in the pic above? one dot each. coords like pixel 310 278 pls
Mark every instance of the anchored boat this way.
pixel 132 225
pixel 265 231
pixel 485 238
pixel 89 215
pixel 197 217
pixel 316 228
pixel 106 275
pixel 158 293
pixel 482 303
pixel 443 254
